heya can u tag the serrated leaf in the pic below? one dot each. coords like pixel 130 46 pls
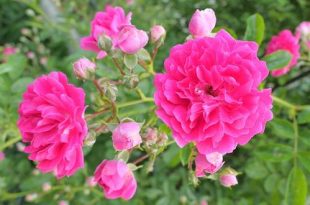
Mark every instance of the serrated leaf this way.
pixel 296 189
pixel 278 59
pixel 282 128
pixel 144 55
pixel 130 61
pixel 255 29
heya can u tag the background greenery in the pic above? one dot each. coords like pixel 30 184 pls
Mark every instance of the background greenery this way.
pixel 265 162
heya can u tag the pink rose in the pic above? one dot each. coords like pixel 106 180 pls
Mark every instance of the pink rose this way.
pixel 228 180
pixel 51 121
pixel 203 202
pixel 209 163
pixel 126 136
pixel 157 32
pixel 285 40
pixel 202 23
pixel 130 40
pixel 9 50
pixel 83 68
pixel 303 33
pixel 2 156
pixel 209 94
pixel 116 179
pixel 108 22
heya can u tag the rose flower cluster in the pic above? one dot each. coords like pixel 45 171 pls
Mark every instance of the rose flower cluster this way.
pixel 209 96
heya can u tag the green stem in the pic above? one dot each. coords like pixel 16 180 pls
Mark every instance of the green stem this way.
pixel 296 136
pixel 118 67
pixel 10 142
pixel 126 104
pixel 283 102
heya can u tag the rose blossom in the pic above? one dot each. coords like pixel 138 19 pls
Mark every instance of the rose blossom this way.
pixel 303 33
pixel 209 163
pixel 126 136
pixel 130 39
pixel 2 156
pixel 116 179
pixel 228 180
pixel 203 202
pixel 209 94
pixel 51 121
pixel 286 41
pixel 157 32
pixel 108 22
pixel 83 67
pixel 63 202
pixel 202 23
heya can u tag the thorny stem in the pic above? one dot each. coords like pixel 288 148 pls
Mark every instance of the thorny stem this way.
pixel 289 105
pixel 140 159
pixel 10 142
pixel 97 85
pixel 118 67
pixel 126 104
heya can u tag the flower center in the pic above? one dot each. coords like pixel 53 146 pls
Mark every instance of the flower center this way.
pixel 206 90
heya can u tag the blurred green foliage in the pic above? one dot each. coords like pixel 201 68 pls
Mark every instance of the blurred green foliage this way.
pixel 265 163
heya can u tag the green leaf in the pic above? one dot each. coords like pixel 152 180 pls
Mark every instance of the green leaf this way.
pixel 123 155
pixel 255 29
pixel 304 117
pixel 304 158
pixel 282 128
pixel 144 55
pixel 256 170
pixel 21 84
pixel 184 154
pixel 130 61
pixel 296 189
pixel 18 63
pixel 278 59
pixel 5 68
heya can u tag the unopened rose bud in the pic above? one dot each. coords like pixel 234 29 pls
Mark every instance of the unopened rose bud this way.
pixel 91 181
pixel 43 60
pixel 105 43
pixel 25 31
pixel 31 197
pixel 30 55
pixel 162 139
pixel 2 156
pixel 209 163
pixel 20 146
pixel 84 68
pixel 63 202
pixel 150 137
pixel 131 81
pixel 46 186
pixel 228 177
pixel 130 39
pixel 110 90
pixel 90 138
pixel 158 33
pixel 202 23
pixel 126 136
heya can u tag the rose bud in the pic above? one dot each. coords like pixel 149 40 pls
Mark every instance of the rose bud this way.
pixel 83 68
pixel 209 163
pixel 46 187
pixel 202 23
pixel 130 40
pixel 91 182
pixel 31 197
pixel 63 202
pixel 126 136
pixel 228 177
pixel 150 137
pixel 157 33
pixel 116 179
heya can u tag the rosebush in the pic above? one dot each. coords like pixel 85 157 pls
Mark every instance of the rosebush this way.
pixel 154 102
